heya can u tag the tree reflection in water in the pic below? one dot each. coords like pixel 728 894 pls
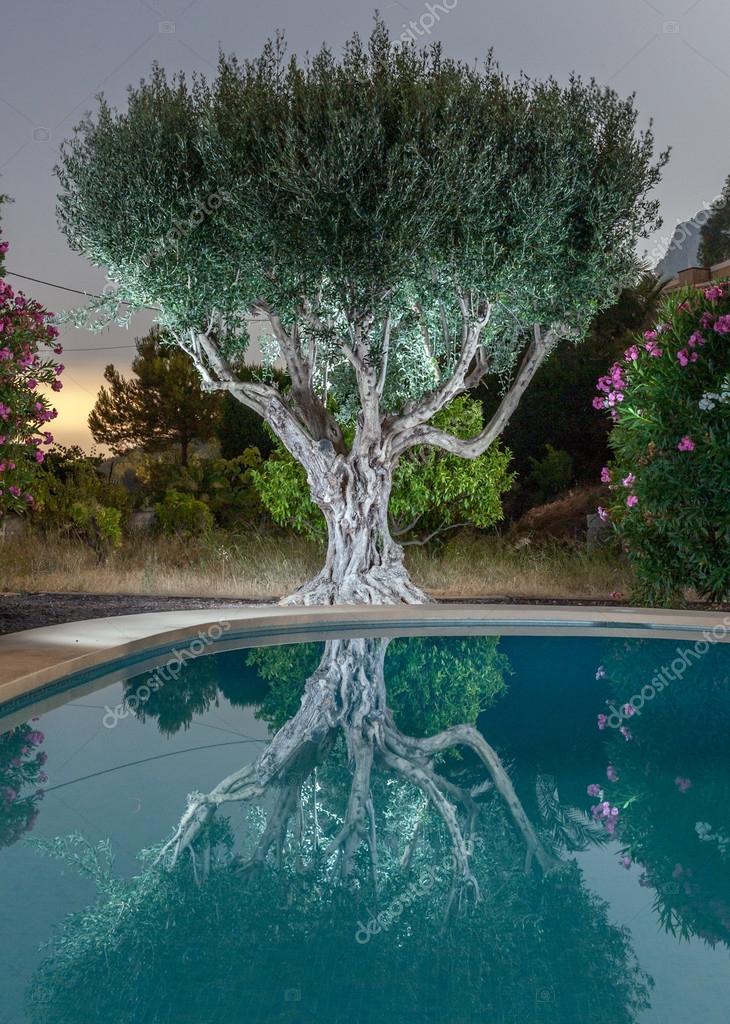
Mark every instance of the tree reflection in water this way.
pixel 377 874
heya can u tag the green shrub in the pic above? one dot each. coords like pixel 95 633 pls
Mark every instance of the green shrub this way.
pixel 670 477
pixel 183 515
pixel 74 498
pixel 552 474
pixel 225 485
pixel 98 525
pixel 228 486
pixel 433 491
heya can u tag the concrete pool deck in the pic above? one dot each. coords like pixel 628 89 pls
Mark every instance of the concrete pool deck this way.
pixel 32 659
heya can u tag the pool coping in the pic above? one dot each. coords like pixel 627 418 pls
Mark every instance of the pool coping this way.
pixel 77 648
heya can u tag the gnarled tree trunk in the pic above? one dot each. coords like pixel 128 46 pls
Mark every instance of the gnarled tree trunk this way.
pixel 364 565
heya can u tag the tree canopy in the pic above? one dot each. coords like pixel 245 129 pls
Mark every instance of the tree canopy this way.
pixel 715 232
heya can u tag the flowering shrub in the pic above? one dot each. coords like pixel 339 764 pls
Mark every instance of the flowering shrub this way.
pixel 665 793
pixel 669 398
pixel 21 770
pixel 27 341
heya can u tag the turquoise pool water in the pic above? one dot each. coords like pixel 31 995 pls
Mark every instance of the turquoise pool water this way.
pixel 597 885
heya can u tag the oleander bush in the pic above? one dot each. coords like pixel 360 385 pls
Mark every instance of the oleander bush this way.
pixel 669 479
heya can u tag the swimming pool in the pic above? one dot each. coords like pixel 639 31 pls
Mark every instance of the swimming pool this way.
pixel 450 828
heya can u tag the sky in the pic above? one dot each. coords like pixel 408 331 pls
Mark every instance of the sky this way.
pixel 56 55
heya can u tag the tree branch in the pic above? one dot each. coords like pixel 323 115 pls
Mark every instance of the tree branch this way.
pixel 469 736
pixel 472 447
pixel 421 412
pixel 384 356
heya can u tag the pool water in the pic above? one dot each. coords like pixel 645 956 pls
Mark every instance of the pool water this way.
pixel 598 884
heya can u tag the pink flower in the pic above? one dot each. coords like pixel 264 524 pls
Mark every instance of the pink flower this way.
pixel 59 369
pixel 632 352
pixel 650 335
pixel 594 790
pixel 632 500
pixel 605 475
pixel 682 784
pixel 686 444
pixel 602 514
pixel 611 774
pixel 31 383
pixel 599 403
pixel 602 720
pixel 653 349
pixel 684 307
pixel 625 732
pixel 39 456
pixel 625 861
pixel 4 246
pixel 607 814
pixel 722 324
pixel 713 293
pixel 5 353
pixel 4 411
pixel 696 339
pixel 707 320
pixel 628 480
pixel 56 385
pixel 683 357
pixel 627 710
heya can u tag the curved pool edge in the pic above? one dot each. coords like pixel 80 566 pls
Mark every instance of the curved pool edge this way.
pixel 53 653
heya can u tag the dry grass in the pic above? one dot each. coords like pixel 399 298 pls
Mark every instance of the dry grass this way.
pixel 494 566
pixel 266 566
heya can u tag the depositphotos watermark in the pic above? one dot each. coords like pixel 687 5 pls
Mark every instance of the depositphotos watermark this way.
pixel 666 675
pixel 422 26
pixel 164 674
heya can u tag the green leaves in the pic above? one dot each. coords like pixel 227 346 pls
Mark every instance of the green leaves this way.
pixel 677 446
pixel 163 402
pixel 391 171
pixel 433 491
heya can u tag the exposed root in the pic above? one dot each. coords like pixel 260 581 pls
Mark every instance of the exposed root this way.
pixel 379 585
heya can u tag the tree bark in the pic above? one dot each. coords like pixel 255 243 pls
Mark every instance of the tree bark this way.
pixel 364 565
pixel 346 695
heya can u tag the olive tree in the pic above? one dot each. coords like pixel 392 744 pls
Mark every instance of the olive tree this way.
pixel 405 224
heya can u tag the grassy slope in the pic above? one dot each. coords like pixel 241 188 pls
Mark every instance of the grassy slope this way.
pixel 265 566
